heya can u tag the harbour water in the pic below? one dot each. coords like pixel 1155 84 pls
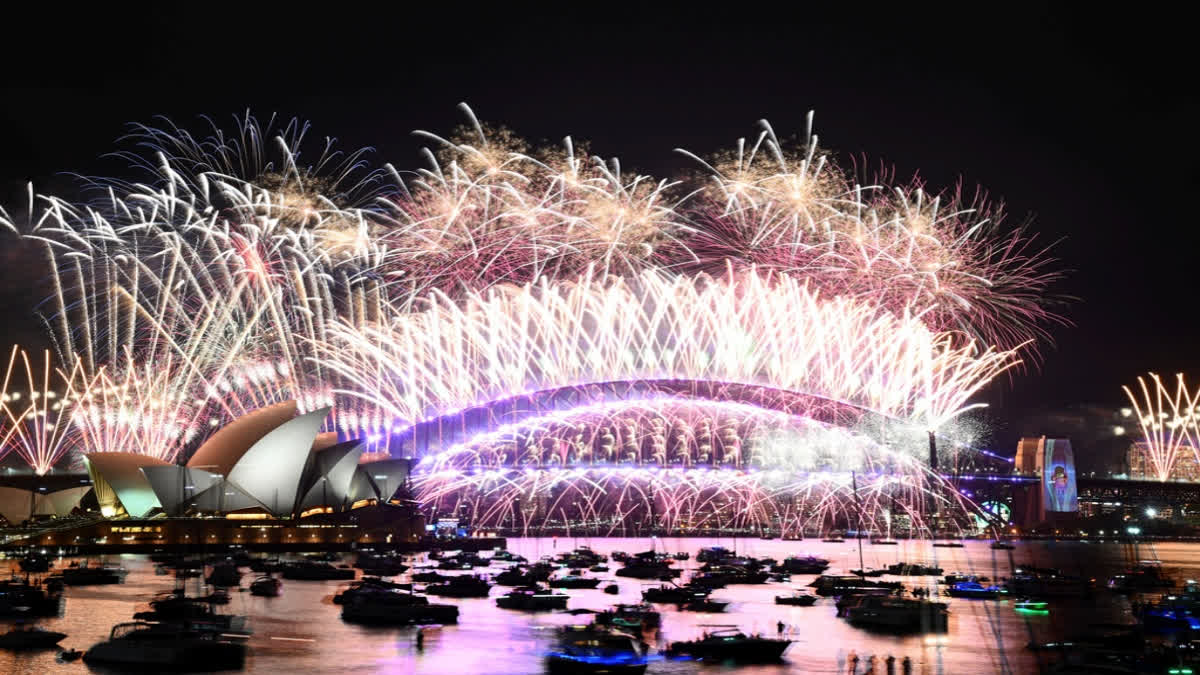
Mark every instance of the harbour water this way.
pixel 301 631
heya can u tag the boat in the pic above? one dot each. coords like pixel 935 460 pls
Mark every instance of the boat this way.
pixel 1027 606
pixel 461 587
pixel 878 611
pixel 1038 583
pixel 176 608
pixel 29 637
pixel 796 599
pixel 612 589
pixel 92 575
pixel 598 568
pixel 974 589
pixel 380 565
pixel 828 584
pixel 532 598
pixel 869 573
pixel 21 598
pixel 436 577
pixel 703 605
pixel 501 555
pixel 316 571
pixel 638 617
pixel 728 643
pixel 167 647
pixel 266 587
pixel 682 555
pixel 69 655
pixel 714 554
pixel 393 608
pixel 648 571
pixel 589 651
pixel 1144 577
pixel 674 595
pixel 1001 545
pixel 902 569
pixel 35 563
pixel 368 585
pixel 948 544
pixel 572 581
pixel 224 574
pixel 801 565
pixel 884 542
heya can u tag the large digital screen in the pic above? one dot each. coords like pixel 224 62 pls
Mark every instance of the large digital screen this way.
pixel 1058 467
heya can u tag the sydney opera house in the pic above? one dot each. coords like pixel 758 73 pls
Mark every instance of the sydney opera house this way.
pixel 268 470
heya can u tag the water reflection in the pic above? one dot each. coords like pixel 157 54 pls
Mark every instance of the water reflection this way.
pixel 301 630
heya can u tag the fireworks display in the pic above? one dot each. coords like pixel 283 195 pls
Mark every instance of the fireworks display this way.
pixel 1170 422
pixel 532 326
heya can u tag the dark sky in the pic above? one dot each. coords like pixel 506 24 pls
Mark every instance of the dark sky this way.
pixel 1085 123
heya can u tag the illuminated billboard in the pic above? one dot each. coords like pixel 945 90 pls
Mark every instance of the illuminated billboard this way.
pixel 1058 475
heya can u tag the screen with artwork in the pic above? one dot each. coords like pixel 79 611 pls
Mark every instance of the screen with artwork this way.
pixel 1059 476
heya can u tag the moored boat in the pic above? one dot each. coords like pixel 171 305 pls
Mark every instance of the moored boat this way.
pixel 392 608
pixel 461 587
pixel 29 637
pixel 316 571
pixel 974 589
pixel 728 643
pixel 589 651
pixel 878 611
pixel 532 598
pixel 167 647
pixel 796 599
pixel 266 587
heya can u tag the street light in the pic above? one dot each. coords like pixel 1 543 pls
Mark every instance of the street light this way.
pixel 1133 530
pixel 1151 513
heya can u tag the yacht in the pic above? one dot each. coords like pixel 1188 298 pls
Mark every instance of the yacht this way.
pixel 532 598
pixel 266 587
pixel 572 581
pixel 224 574
pixel 175 608
pixel 801 565
pixel 92 575
pixel 902 569
pixel 674 594
pixel 395 609
pixel 637 617
pixel 884 542
pixel 974 589
pixel 727 643
pixel 461 587
pixel 20 598
pixel 1001 545
pixel 1035 582
pixel 948 544
pixel 703 605
pixel 878 611
pixel 588 651
pixel 1142 578
pixel 316 571
pixel 166 647
pixel 35 563
pixel 21 637
pixel 796 599
pixel 827 584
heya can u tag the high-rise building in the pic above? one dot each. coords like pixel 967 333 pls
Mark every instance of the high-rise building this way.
pixel 1184 465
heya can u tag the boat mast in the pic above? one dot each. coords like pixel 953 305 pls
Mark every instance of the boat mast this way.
pixel 858 530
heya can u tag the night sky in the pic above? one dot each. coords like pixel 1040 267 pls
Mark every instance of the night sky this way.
pixel 1085 124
